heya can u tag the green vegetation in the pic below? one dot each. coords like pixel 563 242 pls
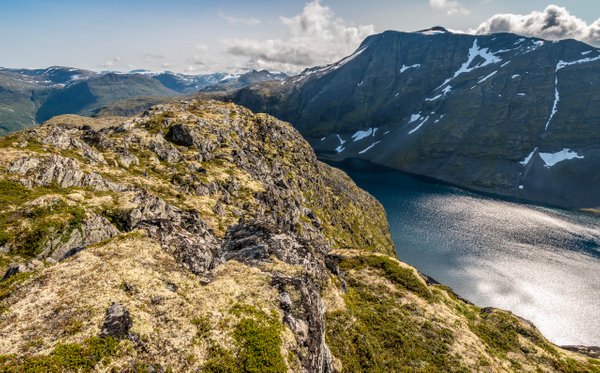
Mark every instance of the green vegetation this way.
pixel 221 361
pixel 391 270
pixel 9 285
pixel 47 222
pixel 67 357
pixel 203 326
pixel 12 193
pixel 56 218
pixel 376 333
pixel 258 343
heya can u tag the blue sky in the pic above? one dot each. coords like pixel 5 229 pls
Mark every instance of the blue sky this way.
pixel 205 36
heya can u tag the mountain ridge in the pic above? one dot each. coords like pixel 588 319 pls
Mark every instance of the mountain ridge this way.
pixel 31 96
pixel 465 109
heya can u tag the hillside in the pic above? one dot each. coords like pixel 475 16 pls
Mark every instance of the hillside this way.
pixel 500 113
pixel 31 96
pixel 202 236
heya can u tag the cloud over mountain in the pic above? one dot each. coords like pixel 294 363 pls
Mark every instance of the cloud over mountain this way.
pixel 553 23
pixel 316 36
pixel 449 6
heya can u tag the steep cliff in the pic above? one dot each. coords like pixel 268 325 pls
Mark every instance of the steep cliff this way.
pixel 499 113
pixel 201 236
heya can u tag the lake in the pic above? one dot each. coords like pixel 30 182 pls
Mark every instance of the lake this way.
pixel 541 263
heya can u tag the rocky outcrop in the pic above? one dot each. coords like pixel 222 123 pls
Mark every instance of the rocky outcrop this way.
pixel 117 322
pixel 212 239
pixel 62 171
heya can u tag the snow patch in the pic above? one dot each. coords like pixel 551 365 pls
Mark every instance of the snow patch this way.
pixel 487 77
pixel 562 64
pixel 445 91
pixel 515 76
pixel 550 159
pixel 475 51
pixel 405 67
pixel 340 148
pixel 369 147
pixel 525 161
pixel 359 135
pixel 434 97
pixel 414 118
pixel 556 100
pixel 419 126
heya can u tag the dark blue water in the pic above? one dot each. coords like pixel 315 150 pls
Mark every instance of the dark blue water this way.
pixel 541 263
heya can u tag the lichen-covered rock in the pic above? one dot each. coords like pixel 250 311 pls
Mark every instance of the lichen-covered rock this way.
pixel 117 322
pixel 200 236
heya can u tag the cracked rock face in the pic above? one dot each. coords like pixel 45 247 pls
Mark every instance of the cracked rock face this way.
pixel 55 169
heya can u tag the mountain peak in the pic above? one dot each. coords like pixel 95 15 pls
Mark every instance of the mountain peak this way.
pixel 435 30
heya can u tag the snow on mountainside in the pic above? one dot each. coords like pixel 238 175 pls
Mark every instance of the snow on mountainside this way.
pixel 461 108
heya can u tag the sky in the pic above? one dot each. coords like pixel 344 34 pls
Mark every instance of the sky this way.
pixel 205 36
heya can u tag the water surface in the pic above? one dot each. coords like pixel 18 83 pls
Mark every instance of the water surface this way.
pixel 541 263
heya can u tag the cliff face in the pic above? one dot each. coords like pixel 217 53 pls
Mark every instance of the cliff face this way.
pixel 202 236
pixel 498 113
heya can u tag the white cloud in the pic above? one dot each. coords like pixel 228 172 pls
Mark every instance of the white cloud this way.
pixel 151 57
pixel 316 36
pixel 449 6
pixel 240 21
pixel 553 23
pixel 113 62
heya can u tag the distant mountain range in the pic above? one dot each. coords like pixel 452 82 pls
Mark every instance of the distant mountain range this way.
pixel 32 96
pixel 499 113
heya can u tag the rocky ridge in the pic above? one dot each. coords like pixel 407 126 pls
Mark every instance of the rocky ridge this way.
pixel 202 236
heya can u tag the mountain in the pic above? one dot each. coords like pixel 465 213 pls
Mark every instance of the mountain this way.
pixel 202 236
pixel 22 91
pixel 500 113
pixel 32 96
pixel 87 96
pixel 244 80
pixel 217 82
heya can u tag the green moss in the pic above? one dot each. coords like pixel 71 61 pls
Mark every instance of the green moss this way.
pixel 65 357
pixel 57 220
pixel 12 193
pixel 202 325
pixel 391 270
pixel 378 334
pixel 258 343
pixel 221 361
pixel 500 332
pixel 9 285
